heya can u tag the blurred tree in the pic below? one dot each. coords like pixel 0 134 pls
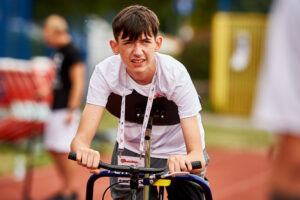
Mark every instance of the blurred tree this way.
pixel 105 8
pixel 196 58
pixel 196 52
pixel 261 6
pixel 202 15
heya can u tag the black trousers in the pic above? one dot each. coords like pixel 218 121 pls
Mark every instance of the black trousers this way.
pixel 184 190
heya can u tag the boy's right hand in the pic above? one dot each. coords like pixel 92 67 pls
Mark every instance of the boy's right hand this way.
pixel 88 158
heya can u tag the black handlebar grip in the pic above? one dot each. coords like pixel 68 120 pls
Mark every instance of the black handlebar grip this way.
pixel 72 156
pixel 196 165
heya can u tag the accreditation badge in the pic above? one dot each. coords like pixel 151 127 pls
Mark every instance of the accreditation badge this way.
pixel 130 161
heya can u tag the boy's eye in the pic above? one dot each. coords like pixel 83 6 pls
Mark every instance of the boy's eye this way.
pixel 146 41
pixel 127 42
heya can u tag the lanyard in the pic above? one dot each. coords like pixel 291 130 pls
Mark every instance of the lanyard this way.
pixel 121 125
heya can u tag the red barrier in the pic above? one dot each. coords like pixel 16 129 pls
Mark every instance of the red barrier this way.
pixel 25 89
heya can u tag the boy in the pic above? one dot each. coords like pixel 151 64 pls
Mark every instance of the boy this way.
pixel 137 68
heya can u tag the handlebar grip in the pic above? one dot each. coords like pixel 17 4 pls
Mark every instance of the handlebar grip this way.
pixel 196 165
pixel 72 156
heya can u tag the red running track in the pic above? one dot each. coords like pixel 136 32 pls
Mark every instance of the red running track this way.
pixel 233 175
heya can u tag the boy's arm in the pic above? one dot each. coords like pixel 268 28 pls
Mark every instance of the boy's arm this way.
pixel 89 122
pixel 192 137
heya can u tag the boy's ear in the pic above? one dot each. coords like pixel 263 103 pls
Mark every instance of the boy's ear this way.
pixel 158 43
pixel 114 46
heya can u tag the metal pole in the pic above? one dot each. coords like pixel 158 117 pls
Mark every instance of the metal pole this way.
pixel 147 155
pixel 161 193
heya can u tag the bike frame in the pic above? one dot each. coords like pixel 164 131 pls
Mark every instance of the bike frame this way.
pixel 146 181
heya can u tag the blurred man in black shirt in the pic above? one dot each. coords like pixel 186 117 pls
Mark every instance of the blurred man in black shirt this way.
pixel 68 90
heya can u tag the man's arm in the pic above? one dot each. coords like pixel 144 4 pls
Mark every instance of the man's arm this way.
pixel 89 122
pixel 192 137
pixel 77 78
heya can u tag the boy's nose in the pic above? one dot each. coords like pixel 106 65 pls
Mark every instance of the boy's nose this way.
pixel 137 50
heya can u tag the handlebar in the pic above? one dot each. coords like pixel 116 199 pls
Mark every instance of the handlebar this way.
pixel 136 169
pixel 122 168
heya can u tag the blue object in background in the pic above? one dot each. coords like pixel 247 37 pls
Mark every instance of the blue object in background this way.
pixel 224 5
pixel 184 7
pixel 15 27
pixel 256 6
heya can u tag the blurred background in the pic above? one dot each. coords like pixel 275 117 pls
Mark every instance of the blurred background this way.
pixel 221 43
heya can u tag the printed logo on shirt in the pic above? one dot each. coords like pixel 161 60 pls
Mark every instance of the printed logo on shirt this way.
pixel 58 59
pixel 158 95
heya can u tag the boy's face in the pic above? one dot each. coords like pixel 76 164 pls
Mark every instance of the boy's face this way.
pixel 138 55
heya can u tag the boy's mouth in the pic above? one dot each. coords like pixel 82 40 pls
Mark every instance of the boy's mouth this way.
pixel 138 60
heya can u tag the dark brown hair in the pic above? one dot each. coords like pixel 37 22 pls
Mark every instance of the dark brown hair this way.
pixel 133 21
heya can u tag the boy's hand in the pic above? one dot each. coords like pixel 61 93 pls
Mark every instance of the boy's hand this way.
pixel 88 158
pixel 177 163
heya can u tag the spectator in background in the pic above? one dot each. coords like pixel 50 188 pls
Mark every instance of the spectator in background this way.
pixel 68 88
pixel 277 105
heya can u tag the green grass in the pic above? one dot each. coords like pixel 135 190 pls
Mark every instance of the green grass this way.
pixel 108 121
pixel 7 161
pixel 216 136
pixel 236 138
pixel 10 151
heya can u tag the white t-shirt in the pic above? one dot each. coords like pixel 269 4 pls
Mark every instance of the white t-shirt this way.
pixel 173 82
pixel 277 103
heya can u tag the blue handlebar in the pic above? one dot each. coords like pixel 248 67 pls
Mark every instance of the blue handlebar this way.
pixel 106 173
